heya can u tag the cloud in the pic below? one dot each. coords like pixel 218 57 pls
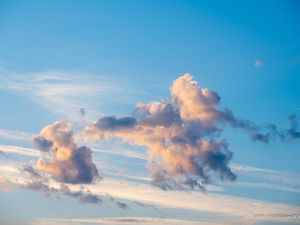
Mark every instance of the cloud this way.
pixel 183 135
pixel 34 175
pixel 112 123
pixel 267 186
pixel 64 92
pixel 82 195
pixel 122 220
pixel 82 112
pixel 69 163
pixel 264 134
pixel 259 219
pixel 121 152
pixel 194 103
pixel 42 144
pixel 3 180
pixel 16 135
pixel 158 113
pixel 276 180
pixel 40 183
pixel 174 132
pixel 33 180
pixel 258 63
pixel 122 205
pixel 6 188
pixel 19 150
pixel 3 154
pixel 293 132
pixel 210 206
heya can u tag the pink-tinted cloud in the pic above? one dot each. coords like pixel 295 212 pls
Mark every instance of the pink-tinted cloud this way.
pixel 183 135
pixel 69 163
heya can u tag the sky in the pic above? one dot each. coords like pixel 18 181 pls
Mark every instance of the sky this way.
pixel 149 112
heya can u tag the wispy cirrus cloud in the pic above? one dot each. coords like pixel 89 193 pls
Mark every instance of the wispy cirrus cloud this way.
pixel 66 93
pixel 122 220
pixel 10 149
pixel 16 135
pixel 162 221
pixel 265 178
pixel 220 205
pixel 268 179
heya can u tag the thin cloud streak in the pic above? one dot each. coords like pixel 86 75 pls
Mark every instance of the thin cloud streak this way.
pixel 16 135
pixel 125 220
pixel 269 179
pixel 268 186
pixel 275 179
pixel 20 150
pixel 65 93
pixel 225 205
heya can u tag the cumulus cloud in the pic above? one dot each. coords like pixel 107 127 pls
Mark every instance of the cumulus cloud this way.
pixel 69 163
pixel 182 135
pixel 194 103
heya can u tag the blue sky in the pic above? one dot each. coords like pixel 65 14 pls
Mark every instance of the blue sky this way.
pixel 57 57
